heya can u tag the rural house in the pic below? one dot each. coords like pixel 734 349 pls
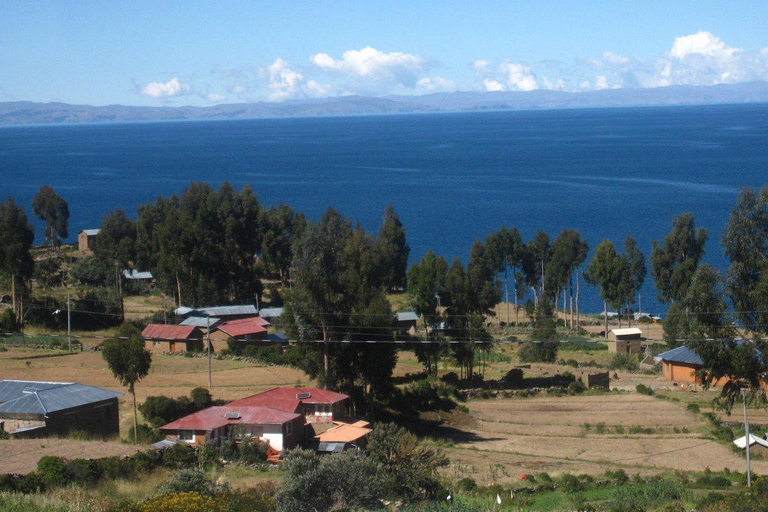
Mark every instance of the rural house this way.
pixel 161 338
pixel 35 409
pixel 225 313
pixel 625 341
pixel 242 332
pixel 84 239
pixel 315 404
pixel 282 430
pixel 270 313
pixel 342 436
pixel 405 322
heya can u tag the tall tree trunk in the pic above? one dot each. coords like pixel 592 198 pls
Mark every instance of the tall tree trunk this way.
pixel 13 296
pixel 325 357
pixel 605 313
pixel 578 311
pixel 135 418
pixel 178 287
pixel 514 276
pixel 570 295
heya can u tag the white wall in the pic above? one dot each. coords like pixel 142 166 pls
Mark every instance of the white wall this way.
pixel 273 434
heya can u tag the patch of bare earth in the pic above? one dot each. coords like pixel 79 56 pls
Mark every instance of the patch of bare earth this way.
pixel 516 436
pixel 21 455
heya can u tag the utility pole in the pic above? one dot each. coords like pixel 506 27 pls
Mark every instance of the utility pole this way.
pixel 746 436
pixel 506 286
pixel 208 336
pixel 69 325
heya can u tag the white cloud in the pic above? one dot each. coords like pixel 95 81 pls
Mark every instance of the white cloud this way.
pixel 702 43
pixel 552 85
pixel 170 89
pixel 612 58
pixel 437 84
pixel 601 83
pixel 284 82
pixel 507 76
pixel 373 71
pixel 216 98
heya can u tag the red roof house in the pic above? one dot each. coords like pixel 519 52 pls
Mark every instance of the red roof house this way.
pixel 242 332
pixel 317 405
pixel 172 338
pixel 281 429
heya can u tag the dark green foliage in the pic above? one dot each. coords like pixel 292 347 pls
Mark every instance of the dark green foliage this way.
pixel 694 408
pixel 8 321
pixel 466 485
pixel 96 309
pixel 54 211
pixel 428 395
pixel 53 471
pixel 393 250
pixel 628 362
pixel 275 354
pixel 82 471
pixel 619 476
pixel 48 273
pixel 644 390
pixel 542 352
pixel 342 482
pixel 644 496
pixel 280 227
pixel 544 328
pixel 188 480
pixel 92 271
pixel 576 387
pixel 674 263
pixel 145 434
pixel 201 397
pixel 17 236
pixel 745 241
pixel 410 469
pixel 161 410
pixel 513 378
pixel 426 281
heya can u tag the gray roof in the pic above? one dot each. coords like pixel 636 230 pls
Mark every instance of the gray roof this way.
pixel 200 321
pixel 680 354
pixel 271 312
pixel 91 232
pixel 246 309
pixel 135 274
pixel 330 447
pixel 33 397
pixel 407 316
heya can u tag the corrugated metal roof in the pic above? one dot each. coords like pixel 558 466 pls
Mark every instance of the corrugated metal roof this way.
pixel 407 316
pixel 271 312
pixel 33 397
pixel 135 274
pixel 626 332
pixel 344 434
pixel 243 327
pixel 278 397
pixel 278 337
pixel 221 311
pixel 753 440
pixel 200 321
pixel 91 232
pixel 680 354
pixel 329 447
pixel 215 417
pixel 171 332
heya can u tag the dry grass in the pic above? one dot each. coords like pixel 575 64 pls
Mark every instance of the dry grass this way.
pixel 21 455
pixel 548 434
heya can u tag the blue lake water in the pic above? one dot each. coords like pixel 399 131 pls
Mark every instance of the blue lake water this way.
pixel 452 178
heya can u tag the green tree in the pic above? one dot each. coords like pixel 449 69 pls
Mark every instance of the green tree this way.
pixel 426 281
pixel 280 227
pixel 49 207
pixel 674 263
pixel 636 262
pixel 509 251
pixel 116 244
pixel 393 250
pixel 17 236
pixel 569 251
pixel 608 270
pixel 128 361
pixel 745 241
pixel 535 257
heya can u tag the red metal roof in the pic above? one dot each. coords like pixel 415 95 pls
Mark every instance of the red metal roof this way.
pixel 244 326
pixel 171 332
pixel 287 398
pixel 215 417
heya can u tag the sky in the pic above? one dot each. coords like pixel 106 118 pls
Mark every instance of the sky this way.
pixel 204 53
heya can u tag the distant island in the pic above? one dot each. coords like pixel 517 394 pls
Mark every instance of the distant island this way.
pixel 27 112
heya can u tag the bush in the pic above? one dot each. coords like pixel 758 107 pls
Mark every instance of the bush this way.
pixel 466 485
pixel 694 408
pixel 201 397
pixel 542 352
pixel 188 480
pixel 91 271
pixel 146 434
pixel 83 471
pixel 8 321
pixel 644 390
pixel 576 387
pixel 53 471
pixel 626 362
pixel 513 378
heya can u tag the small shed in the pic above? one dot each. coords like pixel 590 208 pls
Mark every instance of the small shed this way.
pixel 161 338
pixel 756 444
pixel 628 334
pixel 35 409
pixel 405 321
pixel 84 239
pixel 625 341
pixel 270 313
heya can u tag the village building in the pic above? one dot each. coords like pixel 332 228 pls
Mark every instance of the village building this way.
pixel 343 436
pixel 680 365
pixel 36 409
pixel 282 430
pixel 201 322
pixel 85 238
pixel 135 275
pixel 757 445
pixel 405 322
pixel 270 314
pixel 225 313
pixel 625 341
pixel 315 404
pixel 161 338
pixel 241 333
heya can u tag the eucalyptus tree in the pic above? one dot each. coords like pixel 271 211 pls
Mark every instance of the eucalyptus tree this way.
pixel 745 241
pixel 116 244
pixel 426 283
pixel 569 251
pixel 509 251
pixel 52 209
pixel 17 237
pixel 608 270
pixel 393 249
pixel 636 261
pixel 537 252
pixel 280 226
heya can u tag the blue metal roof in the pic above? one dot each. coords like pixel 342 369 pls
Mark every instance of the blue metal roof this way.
pixel 200 321
pixel 407 316
pixel 33 397
pixel 279 337
pixel 680 354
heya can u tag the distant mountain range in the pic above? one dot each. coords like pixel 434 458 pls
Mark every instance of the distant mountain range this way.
pixel 26 112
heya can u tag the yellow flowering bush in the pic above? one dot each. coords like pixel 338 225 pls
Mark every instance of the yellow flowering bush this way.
pixel 180 502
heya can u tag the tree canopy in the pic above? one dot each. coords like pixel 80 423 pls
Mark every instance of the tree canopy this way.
pixel 49 207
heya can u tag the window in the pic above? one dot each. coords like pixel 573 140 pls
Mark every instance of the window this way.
pixel 186 435
pixel 289 429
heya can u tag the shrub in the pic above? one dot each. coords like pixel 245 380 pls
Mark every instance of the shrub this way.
pixel 620 476
pixel 53 471
pixel 576 387
pixel 91 271
pixel 644 390
pixel 188 480
pixel 694 408
pixel 466 485
pixel 513 378
pixel 570 483
pixel 83 471
pixel 201 397
pixel 8 321
pixel 542 352
pixel 146 434
pixel 626 362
